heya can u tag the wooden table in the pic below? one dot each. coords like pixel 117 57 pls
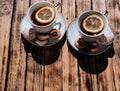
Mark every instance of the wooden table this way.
pixel 19 71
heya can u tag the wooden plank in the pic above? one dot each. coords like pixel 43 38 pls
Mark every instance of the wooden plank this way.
pixel 83 6
pixel 17 65
pixel 6 7
pixel 35 66
pixel 106 78
pixel 70 66
pixel 49 75
pixel 113 8
pixel 35 75
pixel 88 81
pixel 99 5
pixel 53 76
pixel 88 73
pixel 53 71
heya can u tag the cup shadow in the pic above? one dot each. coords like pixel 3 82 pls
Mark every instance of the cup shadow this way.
pixel 44 55
pixel 93 64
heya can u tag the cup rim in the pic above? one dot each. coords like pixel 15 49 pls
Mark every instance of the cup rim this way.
pixel 33 6
pixel 95 11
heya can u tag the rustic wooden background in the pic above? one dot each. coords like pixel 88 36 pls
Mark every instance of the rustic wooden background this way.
pixel 20 72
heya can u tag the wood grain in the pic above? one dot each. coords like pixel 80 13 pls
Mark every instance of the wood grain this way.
pixel 113 8
pixel 17 65
pixel 99 5
pixel 106 78
pixel 35 66
pixel 87 68
pixel 70 67
pixel 35 75
pixel 88 73
pixel 53 76
pixel 53 71
pixel 6 8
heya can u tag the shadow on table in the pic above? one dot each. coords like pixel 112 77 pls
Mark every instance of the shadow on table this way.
pixel 93 64
pixel 44 55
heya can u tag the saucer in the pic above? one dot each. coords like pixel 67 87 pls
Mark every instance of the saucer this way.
pixel 25 26
pixel 73 34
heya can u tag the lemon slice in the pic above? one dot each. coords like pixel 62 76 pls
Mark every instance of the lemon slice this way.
pixel 93 23
pixel 45 14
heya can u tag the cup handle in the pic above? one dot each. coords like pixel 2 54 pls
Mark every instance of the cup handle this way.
pixel 25 27
pixel 58 24
pixel 106 13
pixel 107 37
pixel 58 5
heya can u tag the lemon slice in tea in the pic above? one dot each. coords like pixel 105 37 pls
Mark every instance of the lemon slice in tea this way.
pixel 45 15
pixel 93 24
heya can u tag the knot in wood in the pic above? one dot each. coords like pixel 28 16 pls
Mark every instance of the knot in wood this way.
pixel 4 8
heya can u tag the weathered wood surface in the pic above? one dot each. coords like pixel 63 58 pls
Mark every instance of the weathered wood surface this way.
pixel 105 79
pixel 17 62
pixel 24 67
pixel 70 67
pixel 6 10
